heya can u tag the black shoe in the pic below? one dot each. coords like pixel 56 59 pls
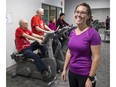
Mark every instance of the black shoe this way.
pixel 47 73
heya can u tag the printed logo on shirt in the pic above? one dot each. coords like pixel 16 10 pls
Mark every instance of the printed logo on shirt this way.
pixel 42 26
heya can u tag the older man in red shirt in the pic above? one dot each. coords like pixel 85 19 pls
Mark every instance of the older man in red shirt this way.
pixel 37 24
pixel 23 45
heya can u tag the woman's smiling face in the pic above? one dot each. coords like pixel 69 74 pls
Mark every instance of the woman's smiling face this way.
pixel 81 15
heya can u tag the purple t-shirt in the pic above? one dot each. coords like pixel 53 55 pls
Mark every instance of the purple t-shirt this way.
pixel 52 26
pixel 80 49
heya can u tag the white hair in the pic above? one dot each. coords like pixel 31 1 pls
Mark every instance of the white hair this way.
pixel 40 10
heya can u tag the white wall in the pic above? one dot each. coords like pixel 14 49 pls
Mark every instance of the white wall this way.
pixel 101 14
pixel 54 2
pixel 99 7
pixel 15 10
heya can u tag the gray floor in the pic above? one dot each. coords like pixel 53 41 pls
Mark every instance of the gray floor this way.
pixel 103 74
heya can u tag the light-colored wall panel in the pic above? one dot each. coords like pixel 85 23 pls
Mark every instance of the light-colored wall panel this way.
pixel 15 10
pixel 99 7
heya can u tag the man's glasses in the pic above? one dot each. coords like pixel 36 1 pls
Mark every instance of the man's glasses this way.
pixel 25 23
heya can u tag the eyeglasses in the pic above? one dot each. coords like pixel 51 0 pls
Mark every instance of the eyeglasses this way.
pixel 78 12
pixel 25 23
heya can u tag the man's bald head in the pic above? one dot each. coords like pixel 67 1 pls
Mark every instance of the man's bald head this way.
pixel 23 23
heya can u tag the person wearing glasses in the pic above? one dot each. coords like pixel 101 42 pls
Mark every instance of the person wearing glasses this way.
pixel 23 36
pixel 83 54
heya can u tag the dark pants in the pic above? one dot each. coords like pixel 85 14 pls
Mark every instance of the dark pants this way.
pixel 107 26
pixel 78 80
pixel 28 53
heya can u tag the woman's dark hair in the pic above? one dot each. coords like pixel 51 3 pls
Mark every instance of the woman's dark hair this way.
pixel 61 14
pixel 88 11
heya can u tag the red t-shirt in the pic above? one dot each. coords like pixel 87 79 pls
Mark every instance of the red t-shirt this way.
pixel 37 21
pixel 22 42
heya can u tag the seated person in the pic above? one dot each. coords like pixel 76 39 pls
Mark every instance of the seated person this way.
pixel 52 23
pixel 60 22
pixel 37 23
pixel 23 45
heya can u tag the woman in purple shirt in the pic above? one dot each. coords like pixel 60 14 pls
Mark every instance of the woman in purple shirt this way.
pixel 83 55
pixel 52 24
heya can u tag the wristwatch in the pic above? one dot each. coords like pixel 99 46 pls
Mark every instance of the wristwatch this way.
pixel 92 78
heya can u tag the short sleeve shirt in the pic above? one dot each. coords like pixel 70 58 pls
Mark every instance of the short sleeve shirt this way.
pixel 22 42
pixel 80 49
pixel 52 26
pixel 36 21
pixel 61 23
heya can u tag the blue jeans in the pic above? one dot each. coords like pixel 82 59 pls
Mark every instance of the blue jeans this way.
pixel 28 53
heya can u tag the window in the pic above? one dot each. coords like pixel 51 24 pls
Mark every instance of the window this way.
pixel 53 11
pixel 50 10
pixel 46 13
pixel 59 10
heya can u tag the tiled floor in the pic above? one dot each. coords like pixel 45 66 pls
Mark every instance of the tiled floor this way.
pixel 103 74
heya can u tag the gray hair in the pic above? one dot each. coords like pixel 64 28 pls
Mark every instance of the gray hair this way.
pixel 40 10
